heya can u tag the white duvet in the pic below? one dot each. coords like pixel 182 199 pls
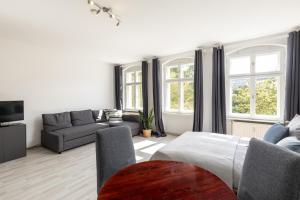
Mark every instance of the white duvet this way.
pixel 220 154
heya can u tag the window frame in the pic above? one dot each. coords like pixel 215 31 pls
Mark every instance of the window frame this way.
pixel 252 76
pixel 132 69
pixel 180 63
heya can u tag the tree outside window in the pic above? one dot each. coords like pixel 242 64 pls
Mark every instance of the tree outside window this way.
pixel 133 89
pixel 179 85
pixel 254 81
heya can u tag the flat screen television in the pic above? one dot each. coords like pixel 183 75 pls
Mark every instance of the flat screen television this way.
pixel 11 111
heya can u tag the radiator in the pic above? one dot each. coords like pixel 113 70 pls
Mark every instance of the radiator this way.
pixel 249 129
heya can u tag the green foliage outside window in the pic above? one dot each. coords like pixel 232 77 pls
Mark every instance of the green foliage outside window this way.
pixel 266 97
pixel 187 72
pixel 188 95
pixel 174 96
pixel 174 72
pixel 240 97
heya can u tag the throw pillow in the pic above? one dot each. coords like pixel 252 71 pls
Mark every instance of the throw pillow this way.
pixel 56 121
pixel 294 126
pixel 291 143
pixel 98 115
pixel 115 115
pixel 82 117
pixel 95 114
pixel 106 113
pixel 276 133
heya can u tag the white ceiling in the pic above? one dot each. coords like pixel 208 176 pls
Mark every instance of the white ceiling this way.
pixel 148 28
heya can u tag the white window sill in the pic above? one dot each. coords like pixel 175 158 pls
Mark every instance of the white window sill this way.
pixel 178 113
pixel 269 121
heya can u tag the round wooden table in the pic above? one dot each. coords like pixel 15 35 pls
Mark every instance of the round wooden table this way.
pixel 165 180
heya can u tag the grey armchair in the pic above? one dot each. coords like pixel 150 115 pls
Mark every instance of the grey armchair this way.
pixel 114 151
pixel 270 173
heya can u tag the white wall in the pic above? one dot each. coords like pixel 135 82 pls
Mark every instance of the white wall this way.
pixel 52 81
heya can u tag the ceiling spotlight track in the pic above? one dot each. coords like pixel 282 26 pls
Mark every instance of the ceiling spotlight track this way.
pixel 96 9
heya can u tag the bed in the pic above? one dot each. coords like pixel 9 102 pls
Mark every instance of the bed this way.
pixel 220 154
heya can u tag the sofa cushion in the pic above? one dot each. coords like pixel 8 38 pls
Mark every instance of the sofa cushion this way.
pixel 52 122
pixel 291 143
pixel 80 131
pixel 276 133
pixel 82 117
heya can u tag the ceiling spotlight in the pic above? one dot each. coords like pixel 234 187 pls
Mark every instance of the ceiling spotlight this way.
pixel 96 9
pixel 106 9
pixel 118 23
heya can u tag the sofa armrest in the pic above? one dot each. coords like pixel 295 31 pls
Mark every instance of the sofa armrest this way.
pixel 52 140
pixel 131 117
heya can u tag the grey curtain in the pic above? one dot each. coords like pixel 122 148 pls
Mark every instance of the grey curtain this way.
pixel 145 87
pixel 218 92
pixel 118 88
pixel 156 74
pixel 198 92
pixel 292 98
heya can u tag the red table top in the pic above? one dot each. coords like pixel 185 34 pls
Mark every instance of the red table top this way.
pixel 165 180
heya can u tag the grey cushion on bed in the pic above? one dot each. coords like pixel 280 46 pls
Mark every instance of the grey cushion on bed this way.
pixel 270 172
pixel 82 117
pixel 292 143
pixel 276 133
pixel 52 122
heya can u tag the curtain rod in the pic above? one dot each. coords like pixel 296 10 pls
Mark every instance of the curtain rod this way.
pixel 210 45
pixel 297 28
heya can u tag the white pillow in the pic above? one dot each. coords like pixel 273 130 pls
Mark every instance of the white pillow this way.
pixel 294 126
pixel 100 114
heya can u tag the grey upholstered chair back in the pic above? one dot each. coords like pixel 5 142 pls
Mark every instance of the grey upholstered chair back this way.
pixel 114 151
pixel 270 173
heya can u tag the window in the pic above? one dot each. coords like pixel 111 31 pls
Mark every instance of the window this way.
pixel 179 85
pixel 255 80
pixel 133 88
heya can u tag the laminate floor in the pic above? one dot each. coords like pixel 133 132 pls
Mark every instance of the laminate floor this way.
pixel 44 175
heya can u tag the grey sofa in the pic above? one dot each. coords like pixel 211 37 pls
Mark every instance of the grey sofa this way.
pixel 67 130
